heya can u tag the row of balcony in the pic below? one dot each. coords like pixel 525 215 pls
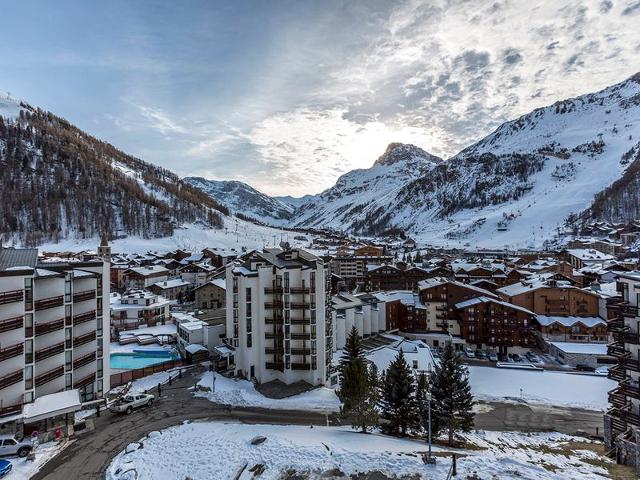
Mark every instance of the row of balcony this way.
pixel 84 295
pixel 49 302
pixel 83 382
pixel 84 360
pixel 294 366
pixel 82 339
pixel 293 336
pixel 11 296
pixel 49 376
pixel 625 415
pixel 49 351
pixel 12 351
pixel 277 305
pixel 84 317
pixel 11 378
pixel 11 324
pixel 292 290
pixel 44 328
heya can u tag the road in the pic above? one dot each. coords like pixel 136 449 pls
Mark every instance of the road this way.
pixel 89 455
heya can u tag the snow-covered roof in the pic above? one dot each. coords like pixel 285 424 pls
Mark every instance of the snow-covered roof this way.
pixel 193 348
pixel 150 270
pixel 406 297
pixel 218 282
pixel 474 301
pixel 176 282
pixel 51 405
pixel 581 348
pixel 589 254
pixel 589 322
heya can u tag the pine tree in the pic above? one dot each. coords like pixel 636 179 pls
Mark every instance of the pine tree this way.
pixel 418 257
pixel 397 400
pixel 452 402
pixel 353 379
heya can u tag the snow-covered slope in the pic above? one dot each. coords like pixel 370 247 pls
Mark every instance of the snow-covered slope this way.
pixel 515 187
pixel 360 198
pixel 244 199
pixel 10 107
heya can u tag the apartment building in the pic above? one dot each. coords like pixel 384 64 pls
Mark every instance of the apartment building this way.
pixel 353 268
pixel 388 277
pixel 622 420
pixel 278 320
pixel 138 308
pixel 145 276
pixel 551 297
pixel 211 295
pixel 51 319
pixel 364 311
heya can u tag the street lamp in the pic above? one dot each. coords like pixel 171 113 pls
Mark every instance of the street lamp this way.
pixel 429 460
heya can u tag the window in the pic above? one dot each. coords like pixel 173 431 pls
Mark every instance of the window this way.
pixel 28 351
pixel 28 325
pixel 28 377
pixel 67 315
pixel 99 367
pixel 28 293
pixel 286 280
pixel 68 360
pixel 248 294
pixel 99 326
pixel 67 287
pixel 68 336
pixel 249 342
pixel 28 397
pixel 415 364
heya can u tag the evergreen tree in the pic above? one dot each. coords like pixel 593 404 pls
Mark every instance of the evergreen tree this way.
pixel 354 388
pixel 418 257
pixel 452 402
pixel 397 399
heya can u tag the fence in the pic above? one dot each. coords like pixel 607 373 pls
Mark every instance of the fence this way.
pixel 122 378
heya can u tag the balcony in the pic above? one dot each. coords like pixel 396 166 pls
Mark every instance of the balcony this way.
pixel 617 373
pixel 11 379
pixel 44 328
pixel 273 290
pixel 83 382
pixel 626 415
pixel 84 317
pixel 630 390
pixel 12 296
pixel 300 366
pixel 299 290
pixel 49 351
pixel 82 339
pixel 626 310
pixel 273 351
pixel 300 321
pixel 271 335
pixel 49 376
pixel 617 398
pixel 49 302
pixel 300 351
pixel 84 360
pixel 11 324
pixel 12 351
pixel 630 364
pixel 274 366
pixel 273 321
pixel 630 337
pixel 300 306
pixel 273 305
pixel 84 295
pixel 301 336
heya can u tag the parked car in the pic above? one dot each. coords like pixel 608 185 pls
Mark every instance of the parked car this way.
pixel 14 445
pixel 469 353
pixel 516 357
pixel 584 368
pixel 510 358
pixel 503 357
pixel 132 401
pixel 480 355
pixel 493 357
pixel 5 468
pixel 603 370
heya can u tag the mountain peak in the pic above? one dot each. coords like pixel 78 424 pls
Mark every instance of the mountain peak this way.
pixel 403 152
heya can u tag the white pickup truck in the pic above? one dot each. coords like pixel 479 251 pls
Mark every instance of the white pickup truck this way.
pixel 130 402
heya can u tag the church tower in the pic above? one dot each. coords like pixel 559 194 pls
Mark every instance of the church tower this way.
pixel 104 250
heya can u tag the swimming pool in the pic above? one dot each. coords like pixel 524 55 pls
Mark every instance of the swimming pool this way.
pixel 139 359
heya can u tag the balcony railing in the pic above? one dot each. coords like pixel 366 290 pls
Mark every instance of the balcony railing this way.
pixel 12 351
pixel 300 351
pixel 617 373
pixel 82 339
pixel 84 317
pixel 49 302
pixel 299 290
pixel 271 335
pixel 273 321
pixel 300 321
pixel 274 366
pixel 617 398
pixel 273 290
pixel 625 309
pixel 49 376
pixel 84 360
pixel 300 366
pixel 273 305
pixel 630 364
pixel 273 351
pixel 11 379
pixel 49 351
pixel 44 328
pixel 11 324
pixel 626 415
pixel 83 382
pixel 11 296
pixel 300 306
pixel 630 390
pixel 84 295
pixel 301 336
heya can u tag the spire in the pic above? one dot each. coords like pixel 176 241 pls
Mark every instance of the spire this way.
pixel 103 240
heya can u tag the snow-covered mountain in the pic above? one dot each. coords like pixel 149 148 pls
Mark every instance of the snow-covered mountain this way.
pixel 243 199
pixel 515 187
pixel 360 199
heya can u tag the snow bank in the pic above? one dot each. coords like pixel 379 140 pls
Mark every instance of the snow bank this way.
pixel 242 393
pixel 549 388
pixel 220 450
pixel 23 468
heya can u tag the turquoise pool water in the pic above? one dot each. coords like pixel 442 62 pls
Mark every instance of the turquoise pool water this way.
pixel 131 361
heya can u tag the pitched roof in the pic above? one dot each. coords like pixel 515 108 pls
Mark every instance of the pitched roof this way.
pixel 18 257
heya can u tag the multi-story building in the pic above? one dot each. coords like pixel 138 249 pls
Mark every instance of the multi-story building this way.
pixel 277 316
pixel 51 320
pixel 363 311
pixel 211 295
pixel 138 308
pixel 388 277
pixel 174 289
pixel 353 268
pixel 144 276
pixel 622 420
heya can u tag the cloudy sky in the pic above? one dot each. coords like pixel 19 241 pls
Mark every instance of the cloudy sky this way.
pixel 288 95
